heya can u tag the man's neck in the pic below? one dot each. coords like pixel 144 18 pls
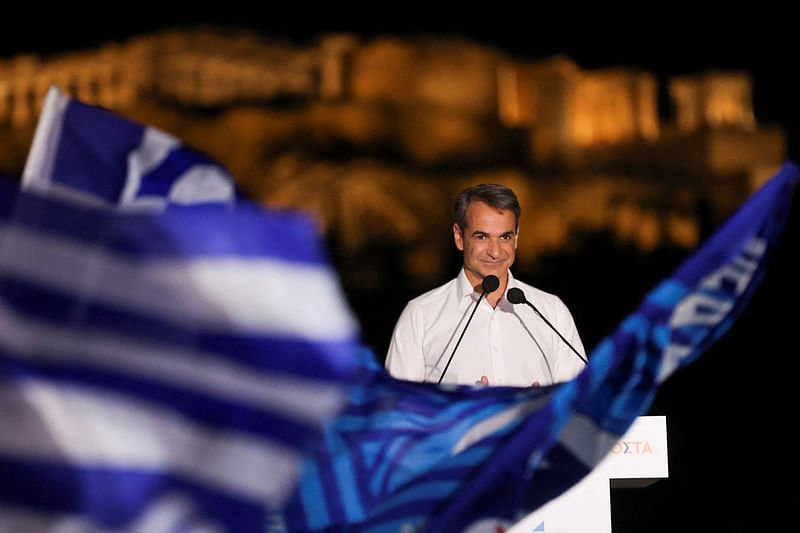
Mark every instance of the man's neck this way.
pixel 493 297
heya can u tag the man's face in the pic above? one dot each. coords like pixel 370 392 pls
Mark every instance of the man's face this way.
pixel 489 241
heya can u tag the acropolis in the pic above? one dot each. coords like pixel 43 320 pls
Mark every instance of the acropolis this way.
pixel 371 136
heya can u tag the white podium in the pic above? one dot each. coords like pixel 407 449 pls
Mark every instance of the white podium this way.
pixel 638 459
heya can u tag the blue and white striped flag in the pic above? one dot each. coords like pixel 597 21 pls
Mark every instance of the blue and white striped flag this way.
pixel 407 457
pixel 90 154
pixel 166 372
pixel 161 371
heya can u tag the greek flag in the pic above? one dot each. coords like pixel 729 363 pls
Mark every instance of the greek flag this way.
pixel 407 457
pixel 198 369
pixel 89 154
pixel 161 371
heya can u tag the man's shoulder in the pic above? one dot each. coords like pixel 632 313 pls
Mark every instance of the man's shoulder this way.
pixel 424 308
pixel 433 296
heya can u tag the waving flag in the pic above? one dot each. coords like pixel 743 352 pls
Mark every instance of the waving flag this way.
pixel 413 457
pixel 179 370
pixel 161 372
pixel 87 153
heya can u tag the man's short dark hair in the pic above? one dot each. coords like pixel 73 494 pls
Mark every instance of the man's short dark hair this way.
pixel 497 196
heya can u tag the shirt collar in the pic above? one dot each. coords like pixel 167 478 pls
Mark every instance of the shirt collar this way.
pixel 465 289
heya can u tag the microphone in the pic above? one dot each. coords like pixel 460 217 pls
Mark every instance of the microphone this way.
pixel 489 284
pixel 516 296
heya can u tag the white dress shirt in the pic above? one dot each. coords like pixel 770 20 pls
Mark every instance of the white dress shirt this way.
pixel 509 344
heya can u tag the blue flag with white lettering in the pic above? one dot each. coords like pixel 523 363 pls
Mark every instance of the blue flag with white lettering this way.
pixel 83 152
pixel 414 457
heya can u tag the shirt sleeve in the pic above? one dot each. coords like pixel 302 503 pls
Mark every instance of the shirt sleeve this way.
pixel 405 359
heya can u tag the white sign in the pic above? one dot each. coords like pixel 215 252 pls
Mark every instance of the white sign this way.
pixel 637 459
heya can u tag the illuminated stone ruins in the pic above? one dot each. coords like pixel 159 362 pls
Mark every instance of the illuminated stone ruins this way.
pixel 374 137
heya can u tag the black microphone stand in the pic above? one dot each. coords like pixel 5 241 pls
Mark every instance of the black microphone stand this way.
pixel 516 296
pixel 489 284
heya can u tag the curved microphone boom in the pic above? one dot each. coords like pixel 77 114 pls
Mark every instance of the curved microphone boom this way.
pixel 489 284
pixel 516 296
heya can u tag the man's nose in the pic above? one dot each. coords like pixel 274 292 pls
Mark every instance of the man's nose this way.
pixel 494 248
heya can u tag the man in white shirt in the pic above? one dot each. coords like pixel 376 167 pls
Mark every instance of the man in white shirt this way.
pixel 505 344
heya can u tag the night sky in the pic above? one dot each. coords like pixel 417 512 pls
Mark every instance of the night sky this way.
pixel 728 448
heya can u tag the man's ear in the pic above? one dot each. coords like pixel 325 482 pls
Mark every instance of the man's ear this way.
pixel 516 238
pixel 458 237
